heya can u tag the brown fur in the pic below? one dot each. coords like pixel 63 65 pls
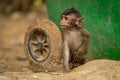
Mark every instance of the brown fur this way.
pixel 75 41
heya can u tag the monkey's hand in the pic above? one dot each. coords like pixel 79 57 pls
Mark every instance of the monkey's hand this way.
pixel 79 56
pixel 81 51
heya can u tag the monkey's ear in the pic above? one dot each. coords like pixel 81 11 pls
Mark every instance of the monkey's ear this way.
pixel 79 21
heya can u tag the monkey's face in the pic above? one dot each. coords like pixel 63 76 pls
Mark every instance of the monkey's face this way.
pixel 67 21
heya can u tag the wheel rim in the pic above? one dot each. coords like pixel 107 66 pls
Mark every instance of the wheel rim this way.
pixel 38 45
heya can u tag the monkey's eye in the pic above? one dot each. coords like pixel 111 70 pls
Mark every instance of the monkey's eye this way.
pixel 66 18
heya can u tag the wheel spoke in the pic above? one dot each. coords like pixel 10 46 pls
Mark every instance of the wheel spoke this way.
pixel 41 51
pixel 37 50
pixel 43 40
pixel 38 38
pixel 37 54
pixel 34 47
pixel 40 55
pixel 34 42
pixel 46 50
pixel 46 45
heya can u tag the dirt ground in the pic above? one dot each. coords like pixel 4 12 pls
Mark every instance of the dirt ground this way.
pixel 12 67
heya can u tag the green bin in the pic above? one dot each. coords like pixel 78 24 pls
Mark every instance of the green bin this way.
pixel 102 20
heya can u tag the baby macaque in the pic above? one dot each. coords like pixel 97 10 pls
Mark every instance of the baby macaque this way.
pixel 75 38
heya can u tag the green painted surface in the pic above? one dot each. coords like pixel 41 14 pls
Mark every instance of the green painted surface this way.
pixel 102 20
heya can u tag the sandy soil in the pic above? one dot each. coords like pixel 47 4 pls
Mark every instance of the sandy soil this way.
pixel 93 70
pixel 12 67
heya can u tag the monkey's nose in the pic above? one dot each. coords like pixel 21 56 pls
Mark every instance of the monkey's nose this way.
pixel 61 23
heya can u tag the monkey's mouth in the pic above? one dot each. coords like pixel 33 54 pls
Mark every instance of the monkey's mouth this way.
pixel 64 26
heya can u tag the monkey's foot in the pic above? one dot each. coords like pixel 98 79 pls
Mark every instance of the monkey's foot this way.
pixel 67 69
pixel 74 65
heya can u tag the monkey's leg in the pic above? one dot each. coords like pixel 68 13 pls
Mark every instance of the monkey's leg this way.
pixel 81 59
pixel 66 57
pixel 78 59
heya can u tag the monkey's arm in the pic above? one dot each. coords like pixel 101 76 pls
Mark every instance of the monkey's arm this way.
pixel 85 41
pixel 66 56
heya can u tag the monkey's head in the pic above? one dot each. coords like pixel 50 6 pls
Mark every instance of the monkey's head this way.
pixel 71 18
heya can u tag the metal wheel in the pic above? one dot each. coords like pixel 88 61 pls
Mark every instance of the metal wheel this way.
pixel 39 45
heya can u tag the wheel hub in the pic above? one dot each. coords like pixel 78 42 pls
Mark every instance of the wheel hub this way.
pixel 40 45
